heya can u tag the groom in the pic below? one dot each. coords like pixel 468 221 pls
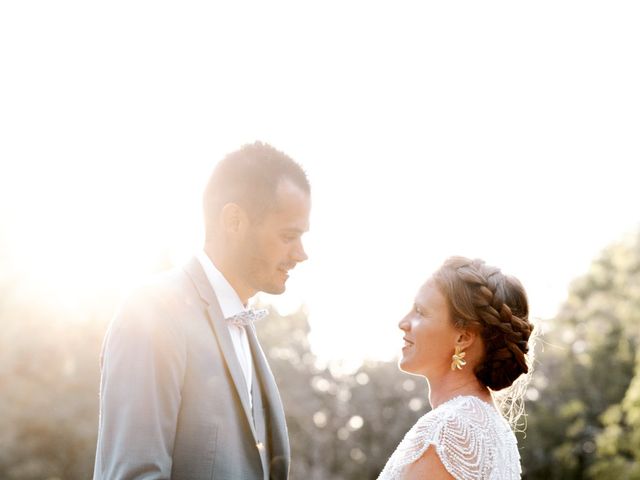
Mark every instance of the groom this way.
pixel 186 391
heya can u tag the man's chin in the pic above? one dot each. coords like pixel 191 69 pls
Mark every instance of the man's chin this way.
pixel 274 289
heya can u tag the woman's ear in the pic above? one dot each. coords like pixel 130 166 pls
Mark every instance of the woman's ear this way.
pixel 465 339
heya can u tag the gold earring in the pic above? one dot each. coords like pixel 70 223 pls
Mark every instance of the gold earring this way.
pixel 457 361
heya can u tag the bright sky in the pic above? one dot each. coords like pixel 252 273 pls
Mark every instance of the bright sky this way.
pixel 504 130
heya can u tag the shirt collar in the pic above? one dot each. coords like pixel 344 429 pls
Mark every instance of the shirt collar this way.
pixel 230 302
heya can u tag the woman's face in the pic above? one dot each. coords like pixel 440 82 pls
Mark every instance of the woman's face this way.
pixel 429 340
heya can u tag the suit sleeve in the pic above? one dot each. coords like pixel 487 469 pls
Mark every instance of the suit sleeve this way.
pixel 144 355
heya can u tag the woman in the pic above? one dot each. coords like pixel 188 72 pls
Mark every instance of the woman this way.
pixel 468 334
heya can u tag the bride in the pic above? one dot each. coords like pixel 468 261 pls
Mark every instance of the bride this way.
pixel 468 334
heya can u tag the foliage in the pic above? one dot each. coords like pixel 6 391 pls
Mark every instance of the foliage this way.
pixel 586 369
pixel 49 378
pixel 618 445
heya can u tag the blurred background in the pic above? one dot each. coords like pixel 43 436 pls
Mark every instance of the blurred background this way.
pixel 497 130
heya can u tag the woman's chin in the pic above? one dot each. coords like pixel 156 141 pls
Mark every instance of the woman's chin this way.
pixel 405 365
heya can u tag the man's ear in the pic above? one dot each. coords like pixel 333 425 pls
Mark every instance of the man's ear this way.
pixel 233 219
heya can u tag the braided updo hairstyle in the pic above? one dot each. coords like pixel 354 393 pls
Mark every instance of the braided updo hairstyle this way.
pixel 482 299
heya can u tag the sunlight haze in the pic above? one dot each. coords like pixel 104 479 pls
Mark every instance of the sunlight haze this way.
pixel 426 130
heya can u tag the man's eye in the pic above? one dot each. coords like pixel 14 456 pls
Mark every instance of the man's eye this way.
pixel 417 309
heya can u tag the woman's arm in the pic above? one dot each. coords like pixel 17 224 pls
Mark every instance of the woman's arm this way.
pixel 427 466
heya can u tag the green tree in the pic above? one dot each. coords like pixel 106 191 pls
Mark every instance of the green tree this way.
pixel 618 445
pixel 586 366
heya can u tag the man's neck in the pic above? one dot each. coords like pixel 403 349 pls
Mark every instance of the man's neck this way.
pixel 221 261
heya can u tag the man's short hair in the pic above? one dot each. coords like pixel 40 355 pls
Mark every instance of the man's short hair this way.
pixel 249 177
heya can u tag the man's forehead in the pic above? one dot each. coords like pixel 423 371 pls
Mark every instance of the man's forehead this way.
pixel 287 188
pixel 289 221
pixel 287 216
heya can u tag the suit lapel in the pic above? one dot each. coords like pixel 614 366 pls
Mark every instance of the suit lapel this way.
pixel 221 330
pixel 280 449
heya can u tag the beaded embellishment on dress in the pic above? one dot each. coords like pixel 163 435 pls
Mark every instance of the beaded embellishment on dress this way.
pixel 471 438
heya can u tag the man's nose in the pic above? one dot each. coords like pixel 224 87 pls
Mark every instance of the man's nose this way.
pixel 404 324
pixel 299 255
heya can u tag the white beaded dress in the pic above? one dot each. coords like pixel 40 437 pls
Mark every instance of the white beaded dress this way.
pixel 472 440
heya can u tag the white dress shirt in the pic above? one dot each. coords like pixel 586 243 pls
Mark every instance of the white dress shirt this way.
pixel 231 305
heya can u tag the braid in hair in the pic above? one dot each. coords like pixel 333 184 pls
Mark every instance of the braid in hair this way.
pixel 495 305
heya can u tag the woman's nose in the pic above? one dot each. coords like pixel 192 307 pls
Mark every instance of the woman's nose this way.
pixel 404 324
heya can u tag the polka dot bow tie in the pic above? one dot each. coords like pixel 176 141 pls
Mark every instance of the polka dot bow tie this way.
pixel 248 317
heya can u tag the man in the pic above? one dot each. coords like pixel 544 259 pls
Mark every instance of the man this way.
pixel 186 391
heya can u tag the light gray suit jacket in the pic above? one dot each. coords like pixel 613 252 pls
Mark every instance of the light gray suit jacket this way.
pixel 173 399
